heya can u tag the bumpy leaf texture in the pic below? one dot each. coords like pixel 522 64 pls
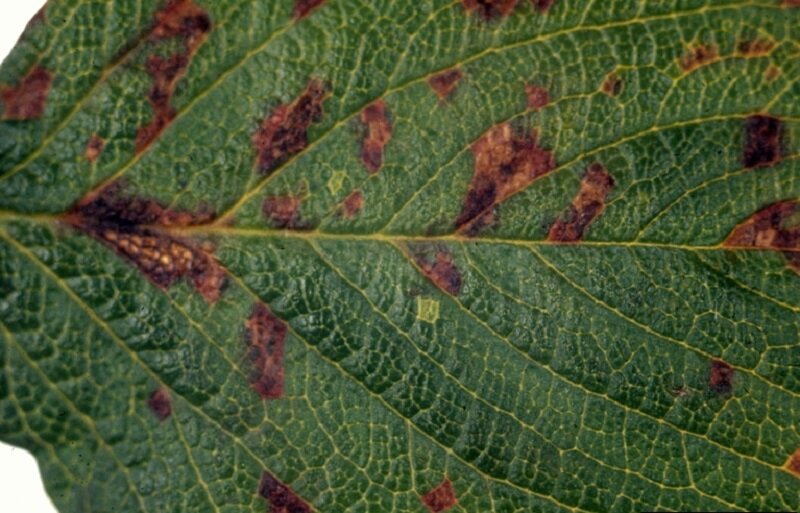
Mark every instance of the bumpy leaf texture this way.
pixel 351 255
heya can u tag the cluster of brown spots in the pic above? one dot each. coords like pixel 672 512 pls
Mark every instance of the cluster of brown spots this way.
pixel 698 56
pixel 612 85
pixel 538 97
pixel 775 227
pixel 441 498
pixel 265 336
pixel 506 161
pixel 94 148
pixel 28 99
pixel 284 132
pixel 720 377
pixel 280 498
pixel 160 404
pixel 755 47
pixel 440 269
pixel 444 83
pixel 352 204
pixel 763 135
pixel 596 184
pixel 283 211
pixel 490 9
pixel 377 135
pixel 137 230
pixel 303 8
pixel 793 463
pixel 178 19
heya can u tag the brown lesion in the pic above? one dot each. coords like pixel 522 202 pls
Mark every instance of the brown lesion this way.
pixel 265 336
pixel 793 463
pixel 775 227
pixel 378 133
pixel 441 498
pixel 303 8
pixel 507 160
pixel 771 73
pixel 612 85
pixel 139 230
pixel 720 377
pixel 281 498
pixel 352 204
pixel 28 99
pixel 538 97
pixel 490 9
pixel 698 56
pixel 160 404
pixel 94 147
pixel 755 47
pixel 543 5
pixel 181 19
pixel 437 264
pixel 588 204
pixel 446 82
pixel 284 132
pixel 763 141
pixel 284 212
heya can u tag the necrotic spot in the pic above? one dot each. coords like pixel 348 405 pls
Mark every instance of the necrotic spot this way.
pixel 280 498
pixel 160 404
pixel 762 145
pixel 440 498
pixel 265 336
pixel 720 377
pixel 28 99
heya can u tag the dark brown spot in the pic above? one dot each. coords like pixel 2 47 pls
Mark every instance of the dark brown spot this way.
pixel 377 135
pixel 596 184
pixel 790 3
pixel 265 336
pixel 771 73
pixel 444 83
pixel 138 230
pixel 438 266
pixel 720 377
pixel 283 211
pixel 506 161
pixel 538 97
pixel 160 404
pixel 353 204
pixel 612 85
pixel 280 498
pixel 178 19
pixel 793 463
pixel 28 99
pixel 441 498
pixel 284 132
pixel 490 9
pixel 775 227
pixel 755 47
pixel 698 56
pixel 38 18
pixel 543 5
pixel 94 148
pixel 762 146
pixel 303 8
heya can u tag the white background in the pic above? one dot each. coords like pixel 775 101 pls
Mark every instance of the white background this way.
pixel 21 489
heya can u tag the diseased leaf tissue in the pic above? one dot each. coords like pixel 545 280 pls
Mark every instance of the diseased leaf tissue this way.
pixel 335 255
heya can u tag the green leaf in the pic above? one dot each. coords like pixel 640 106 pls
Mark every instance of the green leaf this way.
pixel 404 256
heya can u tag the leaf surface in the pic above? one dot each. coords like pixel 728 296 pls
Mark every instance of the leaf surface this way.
pixel 404 256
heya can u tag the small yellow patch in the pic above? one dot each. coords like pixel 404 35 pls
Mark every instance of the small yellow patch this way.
pixel 336 181
pixel 427 309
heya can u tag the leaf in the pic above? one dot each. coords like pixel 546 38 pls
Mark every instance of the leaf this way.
pixel 404 256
